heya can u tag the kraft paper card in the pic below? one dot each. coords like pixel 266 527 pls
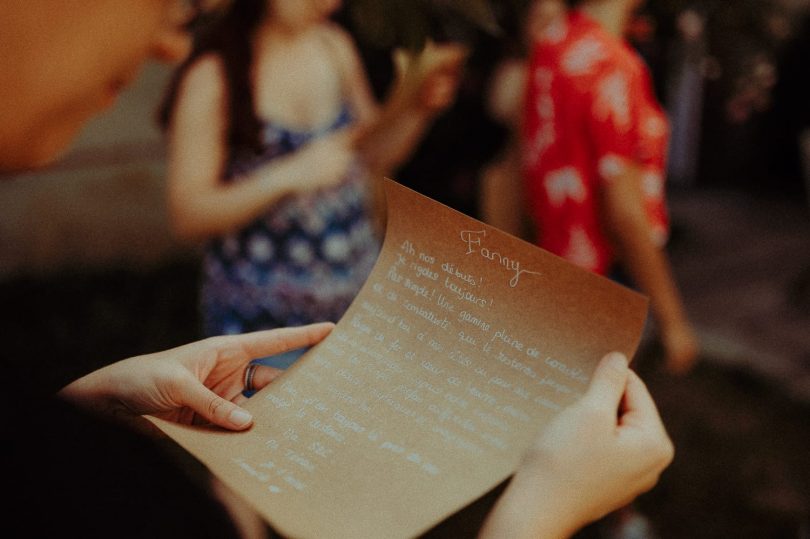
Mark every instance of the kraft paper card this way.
pixel 460 347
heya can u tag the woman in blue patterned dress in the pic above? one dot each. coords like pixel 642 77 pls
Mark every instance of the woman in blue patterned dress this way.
pixel 273 138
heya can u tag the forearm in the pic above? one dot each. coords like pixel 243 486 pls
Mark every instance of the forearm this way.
pixel 94 391
pixel 220 208
pixel 388 143
pixel 649 268
pixel 426 84
pixel 529 509
pixel 627 224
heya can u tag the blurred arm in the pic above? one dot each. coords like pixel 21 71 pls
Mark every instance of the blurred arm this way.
pixel 425 85
pixel 501 189
pixel 625 219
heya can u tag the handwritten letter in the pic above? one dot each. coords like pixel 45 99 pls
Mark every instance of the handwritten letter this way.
pixel 461 346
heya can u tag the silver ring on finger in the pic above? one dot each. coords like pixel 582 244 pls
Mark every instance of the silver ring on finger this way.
pixel 250 371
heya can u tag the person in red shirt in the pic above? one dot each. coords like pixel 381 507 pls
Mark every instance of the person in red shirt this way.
pixel 594 149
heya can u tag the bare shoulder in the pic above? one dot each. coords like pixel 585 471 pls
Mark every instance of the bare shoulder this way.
pixel 337 35
pixel 204 81
pixel 341 42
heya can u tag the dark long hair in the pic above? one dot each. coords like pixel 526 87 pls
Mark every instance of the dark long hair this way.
pixel 230 36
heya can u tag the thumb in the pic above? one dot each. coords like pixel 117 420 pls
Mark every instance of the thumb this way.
pixel 217 410
pixel 609 382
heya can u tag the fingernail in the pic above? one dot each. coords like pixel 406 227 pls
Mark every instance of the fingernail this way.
pixel 240 418
pixel 617 360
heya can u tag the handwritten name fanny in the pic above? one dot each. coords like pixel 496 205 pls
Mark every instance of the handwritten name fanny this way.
pixel 473 240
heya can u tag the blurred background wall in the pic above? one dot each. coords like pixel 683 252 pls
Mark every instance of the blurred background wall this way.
pixel 102 205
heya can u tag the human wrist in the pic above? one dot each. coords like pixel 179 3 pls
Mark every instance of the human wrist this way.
pixel 97 391
pixel 279 179
pixel 86 391
pixel 537 505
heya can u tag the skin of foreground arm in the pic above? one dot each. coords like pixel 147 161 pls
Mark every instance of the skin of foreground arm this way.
pixel 194 383
pixel 588 461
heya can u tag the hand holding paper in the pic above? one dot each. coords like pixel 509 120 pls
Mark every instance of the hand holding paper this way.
pixel 196 383
pixel 463 344
pixel 588 461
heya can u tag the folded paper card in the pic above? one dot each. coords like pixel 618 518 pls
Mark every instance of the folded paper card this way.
pixel 463 343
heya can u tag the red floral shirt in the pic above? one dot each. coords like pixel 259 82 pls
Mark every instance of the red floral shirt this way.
pixel 589 112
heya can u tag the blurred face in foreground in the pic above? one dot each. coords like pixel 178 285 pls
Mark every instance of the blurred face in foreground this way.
pixel 63 61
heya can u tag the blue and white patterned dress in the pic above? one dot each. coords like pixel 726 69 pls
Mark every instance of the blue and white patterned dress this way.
pixel 303 261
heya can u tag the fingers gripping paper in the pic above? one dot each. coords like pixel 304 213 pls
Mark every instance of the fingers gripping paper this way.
pixel 461 346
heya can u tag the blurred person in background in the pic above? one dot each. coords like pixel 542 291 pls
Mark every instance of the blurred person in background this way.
pixel 594 152
pixel 275 142
pixel 501 193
